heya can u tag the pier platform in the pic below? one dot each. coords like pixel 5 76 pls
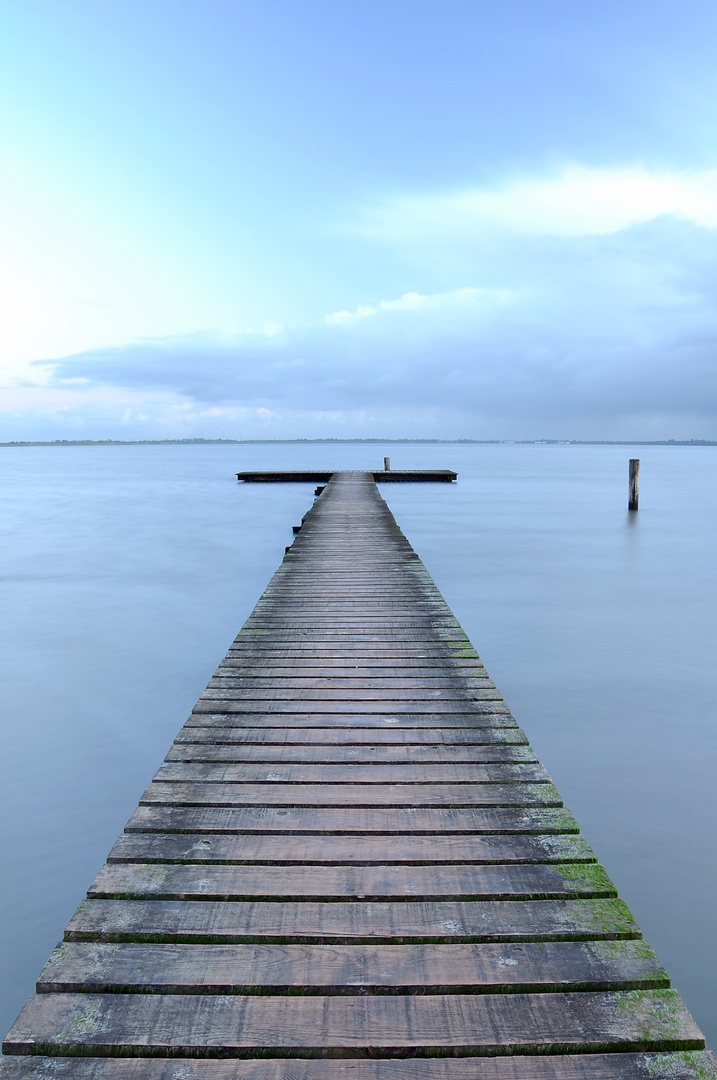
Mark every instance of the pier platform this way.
pixel 352 866
pixel 320 476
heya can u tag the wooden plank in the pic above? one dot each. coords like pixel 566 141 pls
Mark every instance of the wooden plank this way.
pixel 305 476
pixel 355 683
pixel 413 711
pixel 360 621
pixel 490 715
pixel 346 606
pixel 392 735
pixel 309 593
pixel 472 1023
pixel 527 881
pixel 323 755
pixel 358 656
pixel 308 476
pixel 413 795
pixel 207 921
pixel 224 969
pixel 349 647
pixel 360 617
pixel 353 695
pixel 366 622
pixel 356 633
pixel 405 820
pixel 355 773
pixel 330 667
pixel 680 1065
pixel 511 848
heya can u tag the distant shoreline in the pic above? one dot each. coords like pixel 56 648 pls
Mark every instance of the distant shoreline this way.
pixel 429 442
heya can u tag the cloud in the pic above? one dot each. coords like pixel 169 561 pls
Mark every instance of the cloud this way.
pixel 574 201
pixel 415 302
pixel 580 304
pixel 615 341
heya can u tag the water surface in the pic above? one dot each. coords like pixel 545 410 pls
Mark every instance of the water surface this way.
pixel 126 571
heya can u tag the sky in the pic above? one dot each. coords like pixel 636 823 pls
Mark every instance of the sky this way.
pixel 398 219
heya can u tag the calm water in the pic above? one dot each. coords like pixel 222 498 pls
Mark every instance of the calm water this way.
pixel 126 571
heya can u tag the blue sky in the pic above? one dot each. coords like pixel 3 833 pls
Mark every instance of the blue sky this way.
pixel 302 219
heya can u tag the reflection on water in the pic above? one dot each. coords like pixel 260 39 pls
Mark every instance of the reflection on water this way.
pixel 127 570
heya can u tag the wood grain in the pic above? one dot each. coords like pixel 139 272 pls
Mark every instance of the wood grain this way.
pixel 219 1025
pixel 222 969
pixel 494 920
pixel 685 1065
pixel 528 881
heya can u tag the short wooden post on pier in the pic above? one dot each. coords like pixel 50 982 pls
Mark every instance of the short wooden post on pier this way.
pixel 386 464
pixel 634 496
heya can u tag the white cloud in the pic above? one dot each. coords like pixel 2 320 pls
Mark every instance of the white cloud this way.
pixel 575 201
pixel 469 300
pixel 592 313
pixel 339 318
pixel 618 339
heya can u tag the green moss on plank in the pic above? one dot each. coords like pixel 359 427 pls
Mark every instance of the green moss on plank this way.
pixel 610 918
pixel 614 950
pixel 682 1063
pixel 661 1013
pixel 587 877
pixel 546 793
pixel 85 1023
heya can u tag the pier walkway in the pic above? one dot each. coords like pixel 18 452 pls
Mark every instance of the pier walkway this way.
pixel 351 865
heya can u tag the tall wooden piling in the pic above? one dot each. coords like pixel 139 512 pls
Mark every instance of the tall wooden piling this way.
pixel 634 484
pixel 352 866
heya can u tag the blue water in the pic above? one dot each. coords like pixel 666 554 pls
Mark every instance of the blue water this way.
pixel 127 570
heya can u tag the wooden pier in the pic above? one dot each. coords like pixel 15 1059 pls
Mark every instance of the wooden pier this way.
pixel 351 866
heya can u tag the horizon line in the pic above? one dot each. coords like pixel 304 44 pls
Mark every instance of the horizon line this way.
pixel 405 441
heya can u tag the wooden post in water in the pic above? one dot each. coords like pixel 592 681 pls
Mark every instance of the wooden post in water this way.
pixel 386 464
pixel 634 497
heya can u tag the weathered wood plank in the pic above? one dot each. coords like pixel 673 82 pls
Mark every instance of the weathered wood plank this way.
pixel 361 652
pixel 404 820
pixel 341 606
pixel 314 476
pixel 474 1023
pixel 356 684
pixel 353 773
pixel 490 714
pixel 397 638
pixel 354 656
pixel 207 921
pixel 680 1065
pixel 388 735
pixel 353 696
pixel 224 969
pixel 377 623
pixel 511 848
pixel 283 754
pixel 279 794
pixel 528 881
pixel 413 711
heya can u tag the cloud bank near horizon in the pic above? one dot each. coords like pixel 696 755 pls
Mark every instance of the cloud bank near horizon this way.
pixel 584 307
